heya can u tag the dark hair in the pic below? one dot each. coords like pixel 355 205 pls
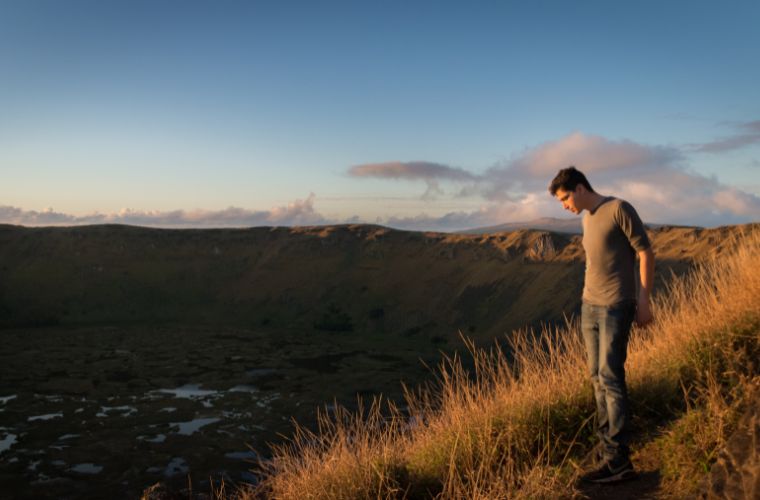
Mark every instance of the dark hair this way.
pixel 568 179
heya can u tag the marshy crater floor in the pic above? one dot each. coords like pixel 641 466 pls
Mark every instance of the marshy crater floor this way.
pixel 88 412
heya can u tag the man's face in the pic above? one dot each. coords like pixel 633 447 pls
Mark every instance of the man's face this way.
pixel 567 198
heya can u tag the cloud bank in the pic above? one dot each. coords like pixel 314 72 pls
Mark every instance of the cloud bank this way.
pixel 655 179
pixel 598 157
pixel 297 213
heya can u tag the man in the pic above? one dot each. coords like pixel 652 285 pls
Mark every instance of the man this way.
pixel 613 235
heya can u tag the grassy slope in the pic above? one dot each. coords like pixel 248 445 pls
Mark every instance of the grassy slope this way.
pixel 521 428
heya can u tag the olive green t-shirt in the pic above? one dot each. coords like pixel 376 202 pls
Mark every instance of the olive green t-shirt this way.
pixel 612 235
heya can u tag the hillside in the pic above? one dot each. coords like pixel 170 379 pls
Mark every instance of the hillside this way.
pixel 334 278
pixel 134 355
pixel 550 224
pixel 520 425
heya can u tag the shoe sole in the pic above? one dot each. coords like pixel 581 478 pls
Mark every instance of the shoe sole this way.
pixel 620 476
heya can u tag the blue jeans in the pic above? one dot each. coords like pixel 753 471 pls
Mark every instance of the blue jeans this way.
pixel 605 332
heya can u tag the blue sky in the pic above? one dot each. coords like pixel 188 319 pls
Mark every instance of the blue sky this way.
pixel 424 115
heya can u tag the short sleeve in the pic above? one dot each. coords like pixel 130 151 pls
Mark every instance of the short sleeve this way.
pixel 632 227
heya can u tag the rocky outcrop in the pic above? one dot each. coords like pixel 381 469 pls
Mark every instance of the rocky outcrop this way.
pixel 543 248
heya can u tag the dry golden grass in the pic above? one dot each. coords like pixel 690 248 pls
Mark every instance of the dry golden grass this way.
pixel 518 426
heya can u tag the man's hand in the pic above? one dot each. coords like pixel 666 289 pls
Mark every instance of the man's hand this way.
pixel 646 273
pixel 643 313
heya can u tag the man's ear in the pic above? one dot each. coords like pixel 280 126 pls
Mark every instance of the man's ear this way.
pixel 580 189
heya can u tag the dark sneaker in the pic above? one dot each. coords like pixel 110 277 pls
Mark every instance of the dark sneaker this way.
pixel 611 472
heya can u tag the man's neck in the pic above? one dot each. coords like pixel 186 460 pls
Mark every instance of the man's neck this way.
pixel 593 201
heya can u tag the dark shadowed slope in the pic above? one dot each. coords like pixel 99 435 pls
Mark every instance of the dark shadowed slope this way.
pixel 334 278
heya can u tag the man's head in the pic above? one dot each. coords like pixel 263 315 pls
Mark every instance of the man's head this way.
pixel 572 188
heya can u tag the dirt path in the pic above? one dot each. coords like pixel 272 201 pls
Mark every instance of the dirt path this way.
pixel 647 483
pixel 645 486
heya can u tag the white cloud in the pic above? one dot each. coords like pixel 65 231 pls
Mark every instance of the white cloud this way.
pixel 676 197
pixel 596 154
pixel 14 215
pixel 655 179
pixel 298 212
pixel 598 157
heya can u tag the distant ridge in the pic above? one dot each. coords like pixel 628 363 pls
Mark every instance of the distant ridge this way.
pixel 362 278
pixel 552 224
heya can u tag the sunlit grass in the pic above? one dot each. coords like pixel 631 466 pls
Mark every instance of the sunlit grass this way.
pixel 519 425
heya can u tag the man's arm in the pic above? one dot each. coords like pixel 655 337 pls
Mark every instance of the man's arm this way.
pixel 646 273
